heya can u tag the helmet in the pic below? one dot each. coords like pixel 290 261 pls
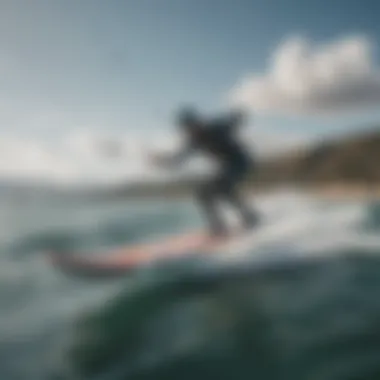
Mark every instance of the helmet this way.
pixel 187 116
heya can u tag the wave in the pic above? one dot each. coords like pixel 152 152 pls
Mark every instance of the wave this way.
pixel 300 302
pixel 316 321
pixel 314 316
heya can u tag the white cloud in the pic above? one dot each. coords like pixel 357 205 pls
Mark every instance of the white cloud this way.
pixel 265 142
pixel 75 160
pixel 305 78
pixel 79 160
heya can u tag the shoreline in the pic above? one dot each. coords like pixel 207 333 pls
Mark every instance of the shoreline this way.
pixel 327 191
pixel 346 192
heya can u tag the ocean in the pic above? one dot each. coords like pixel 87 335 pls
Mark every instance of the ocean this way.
pixel 299 302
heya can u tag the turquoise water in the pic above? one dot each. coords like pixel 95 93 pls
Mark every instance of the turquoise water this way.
pixel 299 302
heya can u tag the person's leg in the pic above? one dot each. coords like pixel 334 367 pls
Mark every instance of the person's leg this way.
pixel 229 184
pixel 249 216
pixel 207 196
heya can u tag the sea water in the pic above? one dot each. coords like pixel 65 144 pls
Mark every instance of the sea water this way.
pixel 246 313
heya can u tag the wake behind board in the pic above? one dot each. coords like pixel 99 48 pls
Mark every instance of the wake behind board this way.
pixel 126 259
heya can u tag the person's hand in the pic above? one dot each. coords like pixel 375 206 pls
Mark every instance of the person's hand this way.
pixel 159 160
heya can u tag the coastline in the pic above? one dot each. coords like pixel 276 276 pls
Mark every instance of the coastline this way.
pixel 332 191
pixel 345 192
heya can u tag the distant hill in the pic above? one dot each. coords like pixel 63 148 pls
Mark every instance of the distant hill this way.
pixel 353 160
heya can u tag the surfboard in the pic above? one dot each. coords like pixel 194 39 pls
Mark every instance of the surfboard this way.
pixel 129 258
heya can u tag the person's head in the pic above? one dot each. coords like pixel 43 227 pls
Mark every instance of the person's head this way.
pixel 189 120
pixel 238 116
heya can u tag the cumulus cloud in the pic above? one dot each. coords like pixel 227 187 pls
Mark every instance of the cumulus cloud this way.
pixel 76 160
pixel 305 78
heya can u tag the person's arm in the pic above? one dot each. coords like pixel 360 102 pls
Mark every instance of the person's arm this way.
pixel 174 159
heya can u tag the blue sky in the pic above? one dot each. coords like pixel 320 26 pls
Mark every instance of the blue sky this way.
pixel 127 65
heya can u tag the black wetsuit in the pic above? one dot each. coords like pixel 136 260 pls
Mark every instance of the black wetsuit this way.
pixel 218 140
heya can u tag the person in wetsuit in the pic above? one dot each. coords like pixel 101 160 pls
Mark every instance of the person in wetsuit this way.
pixel 218 139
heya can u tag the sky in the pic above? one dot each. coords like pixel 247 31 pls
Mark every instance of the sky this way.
pixel 86 67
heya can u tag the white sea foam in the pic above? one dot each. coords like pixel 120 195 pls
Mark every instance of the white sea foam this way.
pixel 304 226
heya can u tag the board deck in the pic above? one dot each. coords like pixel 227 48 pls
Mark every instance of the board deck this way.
pixel 126 259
